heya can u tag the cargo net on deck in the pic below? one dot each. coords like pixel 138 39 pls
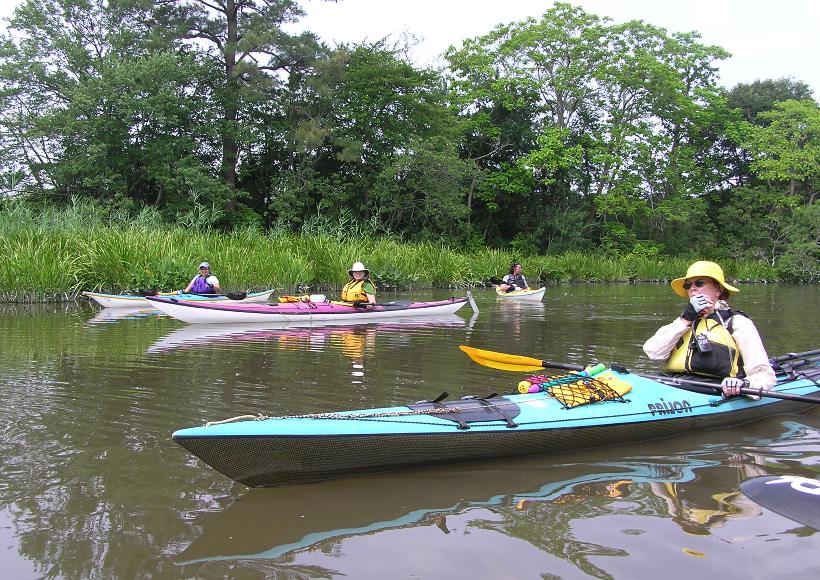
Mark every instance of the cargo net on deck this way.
pixel 572 389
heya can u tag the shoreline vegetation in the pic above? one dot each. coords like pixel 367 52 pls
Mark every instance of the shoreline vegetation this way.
pixel 55 258
pixel 591 151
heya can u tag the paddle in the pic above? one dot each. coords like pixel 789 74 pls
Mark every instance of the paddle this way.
pixel 394 305
pixel 229 295
pixel 794 355
pixel 495 280
pixel 797 498
pixel 518 363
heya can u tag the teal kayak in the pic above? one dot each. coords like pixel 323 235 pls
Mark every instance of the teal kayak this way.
pixel 270 451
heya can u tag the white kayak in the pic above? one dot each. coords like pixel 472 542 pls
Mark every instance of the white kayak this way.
pixel 224 313
pixel 134 300
pixel 535 294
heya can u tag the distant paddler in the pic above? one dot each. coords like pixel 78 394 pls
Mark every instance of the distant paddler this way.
pixel 360 289
pixel 203 283
pixel 514 279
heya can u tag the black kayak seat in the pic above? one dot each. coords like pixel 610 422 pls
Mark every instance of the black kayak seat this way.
pixel 472 410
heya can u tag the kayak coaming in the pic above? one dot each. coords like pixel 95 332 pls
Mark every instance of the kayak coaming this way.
pixel 132 300
pixel 222 313
pixel 281 451
pixel 535 294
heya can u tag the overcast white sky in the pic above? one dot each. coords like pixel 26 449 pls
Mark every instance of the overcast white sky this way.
pixel 768 39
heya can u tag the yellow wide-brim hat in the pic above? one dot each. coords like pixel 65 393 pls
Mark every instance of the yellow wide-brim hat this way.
pixel 702 268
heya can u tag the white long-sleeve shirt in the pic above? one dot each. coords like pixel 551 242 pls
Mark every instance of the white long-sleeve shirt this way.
pixel 756 365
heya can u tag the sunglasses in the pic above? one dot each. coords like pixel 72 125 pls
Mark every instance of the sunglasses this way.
pixel 697 283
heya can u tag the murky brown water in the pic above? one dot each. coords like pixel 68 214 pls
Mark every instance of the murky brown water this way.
pixel 91 485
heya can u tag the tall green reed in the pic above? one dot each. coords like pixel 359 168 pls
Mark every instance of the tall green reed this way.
pixel 48 253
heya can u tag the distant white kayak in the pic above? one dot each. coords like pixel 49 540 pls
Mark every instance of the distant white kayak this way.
pixel 535 294
pixel 133 300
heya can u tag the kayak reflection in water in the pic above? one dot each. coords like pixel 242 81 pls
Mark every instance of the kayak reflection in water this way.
pixel 709 338
pixel 204 282
pixel 360 289
pixel 698 517
pixel 695 513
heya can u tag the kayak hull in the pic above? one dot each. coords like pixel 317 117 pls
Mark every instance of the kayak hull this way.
pixel 289 450
pixel 533 294
pixel 133 301
pixel 198 312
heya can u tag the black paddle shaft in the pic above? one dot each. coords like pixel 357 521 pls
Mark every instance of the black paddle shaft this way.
pixel 691 384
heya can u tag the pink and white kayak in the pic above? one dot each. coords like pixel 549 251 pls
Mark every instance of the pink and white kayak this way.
pixel 535 294
pixel 213 313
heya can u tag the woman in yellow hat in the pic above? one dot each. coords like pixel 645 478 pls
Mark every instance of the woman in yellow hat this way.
pixel 359 289
pixel 709 338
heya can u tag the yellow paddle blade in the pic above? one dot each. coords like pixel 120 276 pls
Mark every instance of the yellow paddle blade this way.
pixel 502 361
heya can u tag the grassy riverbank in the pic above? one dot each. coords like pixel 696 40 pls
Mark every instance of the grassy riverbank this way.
pixel 57 265
pixel 55 256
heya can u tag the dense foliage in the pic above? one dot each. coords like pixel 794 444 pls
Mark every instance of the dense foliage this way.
pixel 566 133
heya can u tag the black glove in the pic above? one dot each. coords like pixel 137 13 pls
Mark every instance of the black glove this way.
pixel 689 313
pixel 696 304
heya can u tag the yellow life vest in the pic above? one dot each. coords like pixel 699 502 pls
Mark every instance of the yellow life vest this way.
pixel 353 291
pixel 722 360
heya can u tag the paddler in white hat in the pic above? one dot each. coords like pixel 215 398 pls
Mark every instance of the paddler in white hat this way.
pixel 360 289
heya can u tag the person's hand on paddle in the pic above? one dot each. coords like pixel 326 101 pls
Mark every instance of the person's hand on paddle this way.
pixel 697 304
pixel 731 386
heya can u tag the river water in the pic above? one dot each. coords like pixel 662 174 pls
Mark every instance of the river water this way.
pixel 91 485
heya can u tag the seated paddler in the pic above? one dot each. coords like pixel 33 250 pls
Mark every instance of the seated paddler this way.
pixel 514 279
pixel 709 338
pixel 360 290
pixel 204 282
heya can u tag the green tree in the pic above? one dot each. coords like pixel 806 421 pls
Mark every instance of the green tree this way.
pixel 787 147
pixel 617 111
pixel 761 95
pixel 346 121
pixel 747 100
pixel 245 41
pixel 423 190
pixel 96 108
